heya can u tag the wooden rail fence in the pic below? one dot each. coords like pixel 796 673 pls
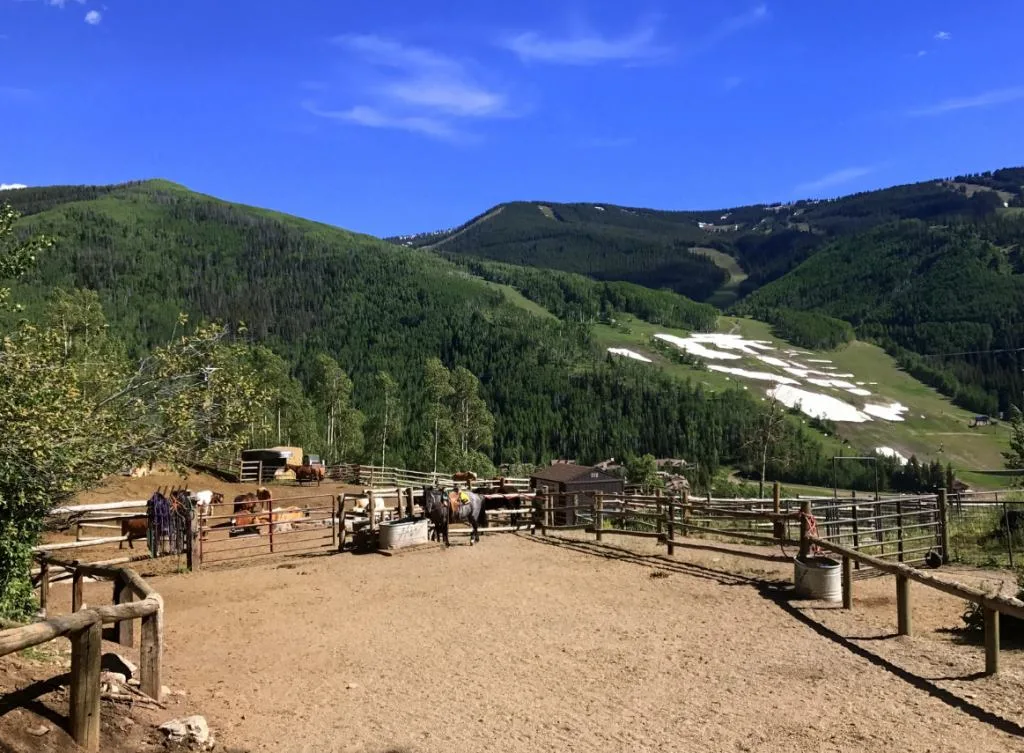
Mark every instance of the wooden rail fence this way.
pixel 882 536
pixel 386 476
pixel 992 604
pixel 133 600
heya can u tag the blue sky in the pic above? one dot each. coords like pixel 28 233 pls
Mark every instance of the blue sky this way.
pixel 393 117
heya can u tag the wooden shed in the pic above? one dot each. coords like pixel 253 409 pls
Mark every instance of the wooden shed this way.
pixel 568 479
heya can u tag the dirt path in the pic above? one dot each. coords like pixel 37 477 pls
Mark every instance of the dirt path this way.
pixel 522 644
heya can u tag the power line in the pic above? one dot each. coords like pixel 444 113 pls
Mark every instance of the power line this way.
pixel 974 352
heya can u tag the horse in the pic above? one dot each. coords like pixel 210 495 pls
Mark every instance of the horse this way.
pixel 457 507
pixel 304 473
pixel 248 502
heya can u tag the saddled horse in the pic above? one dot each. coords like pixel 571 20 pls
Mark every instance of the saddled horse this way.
pixel 454 507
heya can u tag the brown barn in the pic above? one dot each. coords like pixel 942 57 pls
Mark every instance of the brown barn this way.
pixel 569 479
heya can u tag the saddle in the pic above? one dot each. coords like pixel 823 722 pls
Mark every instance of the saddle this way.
pixel 455 503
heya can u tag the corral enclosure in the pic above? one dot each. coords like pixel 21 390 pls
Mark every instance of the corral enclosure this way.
pixel 524 643
pixel 561 642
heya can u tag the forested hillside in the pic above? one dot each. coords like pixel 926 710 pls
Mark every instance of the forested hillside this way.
pixel 310 292
pixel 925 269
pixel 947 300
pixel 655 248
pixel 946 279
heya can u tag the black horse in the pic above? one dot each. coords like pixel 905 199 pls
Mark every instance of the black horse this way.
pixel 443 508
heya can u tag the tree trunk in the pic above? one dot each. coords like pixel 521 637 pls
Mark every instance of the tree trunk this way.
pixel 764 466
pixel 384 437
pixel 436 429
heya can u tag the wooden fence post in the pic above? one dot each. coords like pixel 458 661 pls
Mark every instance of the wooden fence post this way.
pixel 598 521
pixel 77 595
pixel 86 648
pixel 943 505
pixel 847 583
pixel 991 641
pixel 805 527
pixel 670 528
pixel 856 530
pixel 545 504
pixel 44 585
pixel 778 526
pixel 193 534
pixel 575 504
pixel 124 631
pixel 904 626
pixel 899 529
pixel 151 652
pixel 686 509
pixel 657 495
pixel 341 522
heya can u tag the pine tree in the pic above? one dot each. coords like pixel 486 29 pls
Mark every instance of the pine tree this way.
pixel 437 384
pixel 1015 457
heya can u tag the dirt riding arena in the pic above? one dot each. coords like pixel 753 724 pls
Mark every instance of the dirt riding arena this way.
pixel 528 643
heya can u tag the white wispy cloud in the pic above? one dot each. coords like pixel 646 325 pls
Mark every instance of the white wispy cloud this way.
pixel 11 186
pixel 62 3
pixel 732 82
pixel 833 179
pixel 413 89
pixel 922 53
pixel 943 36
pixel 373 118
pixel 985 99
pixel 93 17
pixel 588 48
pixel 729 27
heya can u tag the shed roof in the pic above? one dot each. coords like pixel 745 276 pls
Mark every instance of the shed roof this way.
pixel 564 472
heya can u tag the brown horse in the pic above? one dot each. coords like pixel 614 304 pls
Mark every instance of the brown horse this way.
pixel 304 473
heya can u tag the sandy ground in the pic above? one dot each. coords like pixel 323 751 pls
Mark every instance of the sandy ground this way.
pixel 529 643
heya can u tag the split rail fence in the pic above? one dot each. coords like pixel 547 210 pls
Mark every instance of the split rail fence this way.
pixel 876 537
pixel 133 600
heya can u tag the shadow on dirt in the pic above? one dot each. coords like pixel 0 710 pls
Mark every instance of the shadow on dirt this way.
pixel 780 592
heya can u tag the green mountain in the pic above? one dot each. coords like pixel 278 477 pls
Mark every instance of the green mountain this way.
pixel 925 270
pixel 698 253
pixel 154 249
pixel 527 297
pixel 947 300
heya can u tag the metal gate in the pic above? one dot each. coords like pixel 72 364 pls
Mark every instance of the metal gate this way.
pixel 901 529
pixel 292 525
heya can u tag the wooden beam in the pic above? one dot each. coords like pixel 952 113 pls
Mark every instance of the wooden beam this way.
pixel 21 638
pixel 1004 604
pixel 86 647
pixel 79 544
pixel 132 578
